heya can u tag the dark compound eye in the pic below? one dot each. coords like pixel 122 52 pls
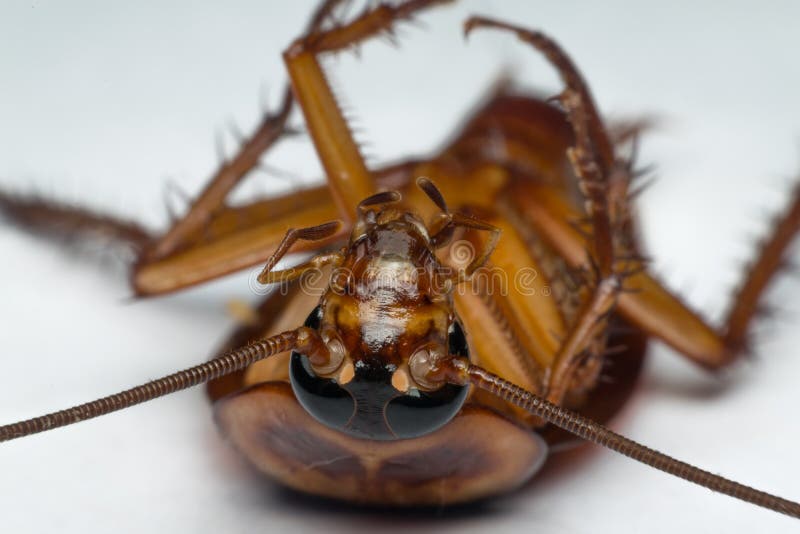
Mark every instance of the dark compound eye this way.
pixel 421 412
pixel 323 398
pixel 368 406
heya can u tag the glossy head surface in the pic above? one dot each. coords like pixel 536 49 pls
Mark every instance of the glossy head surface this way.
pixel 387 312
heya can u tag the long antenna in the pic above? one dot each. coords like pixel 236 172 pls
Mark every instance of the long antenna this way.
pixel 600 435
pixel 228 363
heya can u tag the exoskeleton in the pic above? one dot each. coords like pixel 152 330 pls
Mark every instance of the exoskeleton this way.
pixel 526 186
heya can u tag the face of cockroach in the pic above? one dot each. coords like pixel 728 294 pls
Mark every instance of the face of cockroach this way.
pixel 388 310
pixel 102 106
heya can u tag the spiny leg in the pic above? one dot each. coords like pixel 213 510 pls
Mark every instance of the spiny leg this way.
pixel 348 177
pixel 715 348
pixel 62 220
pixel 769 260
pixel 229 174
pixel 593 162
pixel 591 320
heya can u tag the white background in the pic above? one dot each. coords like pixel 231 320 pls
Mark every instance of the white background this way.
pixel 102 103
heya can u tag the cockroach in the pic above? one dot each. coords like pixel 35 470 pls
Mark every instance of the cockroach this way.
pixel 121 339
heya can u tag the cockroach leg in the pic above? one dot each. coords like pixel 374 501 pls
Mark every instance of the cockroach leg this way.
pixel 591 319
pixel 240 237
pixel 592 156
pixel 673 321
pixel 590 326
pixel 645 302
pixel 768 262
pixel 592 160
pixel 293 273
pixel 315 233
pixel 348 177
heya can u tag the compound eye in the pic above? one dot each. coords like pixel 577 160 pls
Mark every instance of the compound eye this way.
pixel 420 412
pixel 323 398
